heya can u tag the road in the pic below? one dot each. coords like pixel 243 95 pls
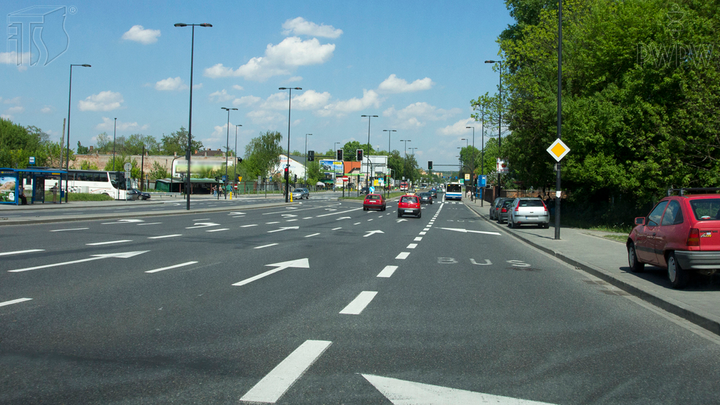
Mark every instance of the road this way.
pixel 324 303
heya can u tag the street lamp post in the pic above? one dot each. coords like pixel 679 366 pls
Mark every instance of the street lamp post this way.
pixel 500 118
pixel 227 147
pixel 189 145
pixel 472 169
pixel 389 131
pixel 306 135
pixel 287 179
pixel 67 166
pixel 236 156
pixel 367 177
pixel 406 141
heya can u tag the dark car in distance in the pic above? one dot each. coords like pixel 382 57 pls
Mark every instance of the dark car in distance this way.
pixel 425 197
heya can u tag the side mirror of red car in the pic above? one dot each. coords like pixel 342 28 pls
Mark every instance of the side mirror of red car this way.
pixel 640 221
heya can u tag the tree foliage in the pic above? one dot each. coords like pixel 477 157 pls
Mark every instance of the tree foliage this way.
pixel 18 144
pixel 262 154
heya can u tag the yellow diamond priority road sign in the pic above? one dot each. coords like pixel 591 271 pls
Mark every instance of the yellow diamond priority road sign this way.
pixel 558 150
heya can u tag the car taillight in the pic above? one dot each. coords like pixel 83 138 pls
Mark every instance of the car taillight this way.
pixel 504 209
pixel 544 206
pixel 517 208
pixel 693 237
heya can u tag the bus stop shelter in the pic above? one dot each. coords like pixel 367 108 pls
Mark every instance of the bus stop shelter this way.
pixel 27 186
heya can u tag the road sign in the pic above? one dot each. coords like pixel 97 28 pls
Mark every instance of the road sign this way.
pixel 346 178
pixel 483 180
pixel 127 167
pixel 558 150
pixel 467 176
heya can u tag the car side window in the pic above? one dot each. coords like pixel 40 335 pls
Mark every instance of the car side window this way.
pixel 673 214
pixel 656 214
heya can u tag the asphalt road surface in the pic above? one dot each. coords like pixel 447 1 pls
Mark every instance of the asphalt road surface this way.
pixel 324 303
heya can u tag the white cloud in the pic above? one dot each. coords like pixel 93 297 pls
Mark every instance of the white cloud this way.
pixel 279 59
pixel 6 117
pixel 421 110
pixel 299 26
pixel 13 58
pixel 15 110
pixel 458 128
pixel 15 100
pixel 103 101
pixel 308 100
pixel 246 100
pixel 395 85
pixel 170 84
pixel 295 79
pixel 108 124
pixel 264 117
pixel 238 87
pixel 369 98
pixel 47 109
pixel 139 34
pixel 221 96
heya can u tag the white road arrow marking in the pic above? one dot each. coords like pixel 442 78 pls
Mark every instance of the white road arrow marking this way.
pixel 372 233
pixel 471 231
pixel 125 255
pixel 487 262
pixel 299 263
pixel 282 228
pixel 236 213
pixel 123 221
pixel 341 218
pixel 401 392
pixel 202 225
pixel 21 251
pixel 401 220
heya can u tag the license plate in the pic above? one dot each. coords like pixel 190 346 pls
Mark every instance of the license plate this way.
pixel 408 211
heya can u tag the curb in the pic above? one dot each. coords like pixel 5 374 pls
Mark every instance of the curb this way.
pixel 675 309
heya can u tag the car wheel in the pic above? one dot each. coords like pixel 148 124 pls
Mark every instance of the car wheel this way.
pixel 678 277
pixel 419 214
pixel 635 265
pixel 399 214
pixel 510 223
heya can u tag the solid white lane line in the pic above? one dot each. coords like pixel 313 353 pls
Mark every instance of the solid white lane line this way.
pixel 359 303
pixel 17 252
pixel 69 229
pixel 411 246
pixel 171 267
pixel 218 230
pixel 17 301
pixel 248 226
pixel 284 375
pixel 312 234
pixel 402 256
pixel 110 242
pixel 165 236
pixel 335 229
pixel 387 271
pixel 264 246
pixel 150 223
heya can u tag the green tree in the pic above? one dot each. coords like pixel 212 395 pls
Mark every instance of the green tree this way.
pixel 158 171
pixel 82 150
pixel 177 142
pixel 313 172
pixel 18 144
pixel 262 154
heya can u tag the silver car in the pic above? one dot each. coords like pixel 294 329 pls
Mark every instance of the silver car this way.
pixel 300 193
pixel 529 210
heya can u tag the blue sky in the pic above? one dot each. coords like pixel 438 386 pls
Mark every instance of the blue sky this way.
pixel 415 64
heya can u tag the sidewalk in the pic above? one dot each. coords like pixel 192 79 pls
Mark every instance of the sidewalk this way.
pixel 607 259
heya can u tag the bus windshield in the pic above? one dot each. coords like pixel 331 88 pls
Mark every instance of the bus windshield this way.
pixel 454 188
pixel 118 180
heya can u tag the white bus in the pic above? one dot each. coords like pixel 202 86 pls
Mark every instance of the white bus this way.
pixel 112 184
pixel 453 191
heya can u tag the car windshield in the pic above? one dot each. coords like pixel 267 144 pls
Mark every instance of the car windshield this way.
pixel 372 197
pixel 706 209
pixel 408 199
pixel 531 203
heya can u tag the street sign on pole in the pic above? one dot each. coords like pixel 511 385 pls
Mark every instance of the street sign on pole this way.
pixel 558 150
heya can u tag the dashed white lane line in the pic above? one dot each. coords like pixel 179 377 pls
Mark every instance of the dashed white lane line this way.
pixel 308 218
pixel 312 234
pixel 171 267
pixel 291 220
pixel 110 242
pixel 359 303
pixel 411 246
pixel 150 223
pixel 285 374
pixel 335 229
pixel 17 301
pixel 248 226
pixel 418 239
pixel 402 256
pixel 69 229
pixel 165 236
pixel 264 246
pixel 422 233
pixel 387 271
pixel 356 223
pixel 218 230
pixel 271 223
pixel 17 252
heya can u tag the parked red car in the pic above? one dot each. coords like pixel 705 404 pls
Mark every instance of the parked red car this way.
pixel 374 202
pixel 410 205
pixel 681 233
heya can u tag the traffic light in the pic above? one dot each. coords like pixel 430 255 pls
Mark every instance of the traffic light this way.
pixel 287 172
pixel 359 155
pixel 295 180
pixel 239 160
pixel 429 164
pixel 311 155
pixel 339 155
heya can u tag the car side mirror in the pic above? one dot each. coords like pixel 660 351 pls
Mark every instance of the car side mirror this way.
pixel 640 221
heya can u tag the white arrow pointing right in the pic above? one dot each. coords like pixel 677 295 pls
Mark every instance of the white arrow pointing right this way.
pixel 299 263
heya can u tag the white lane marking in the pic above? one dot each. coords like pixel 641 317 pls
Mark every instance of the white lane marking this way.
pixel 264 246
pixel 411 246
pixel 236 213
pixel 150 223
pixel 387 271
pixel 17 252
pixel 471 231
pixel 201 219
pixel 272 223
pixel 359 303
pixel 248 226
pixel 426 229
pixel 218 230
pixel 291 220
pixel 175 235
pixel 123 255
pixel 312 234
pixel 121 221
pixel 284 375
pixel 372 233
pixel 110 242
pixel 402 256
pixel 338 212
pixel 284 228
pixel 341 218
pixel 335 229
pixel 422 233
pixel 409 392
pixel 308 218
pixel 370 219
pixel 171 267
pixel 299 263
pixel 356 223
pixel 17 301
pixel 202 225
pixel 69 229
pixel 487 262
pixel 417 239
